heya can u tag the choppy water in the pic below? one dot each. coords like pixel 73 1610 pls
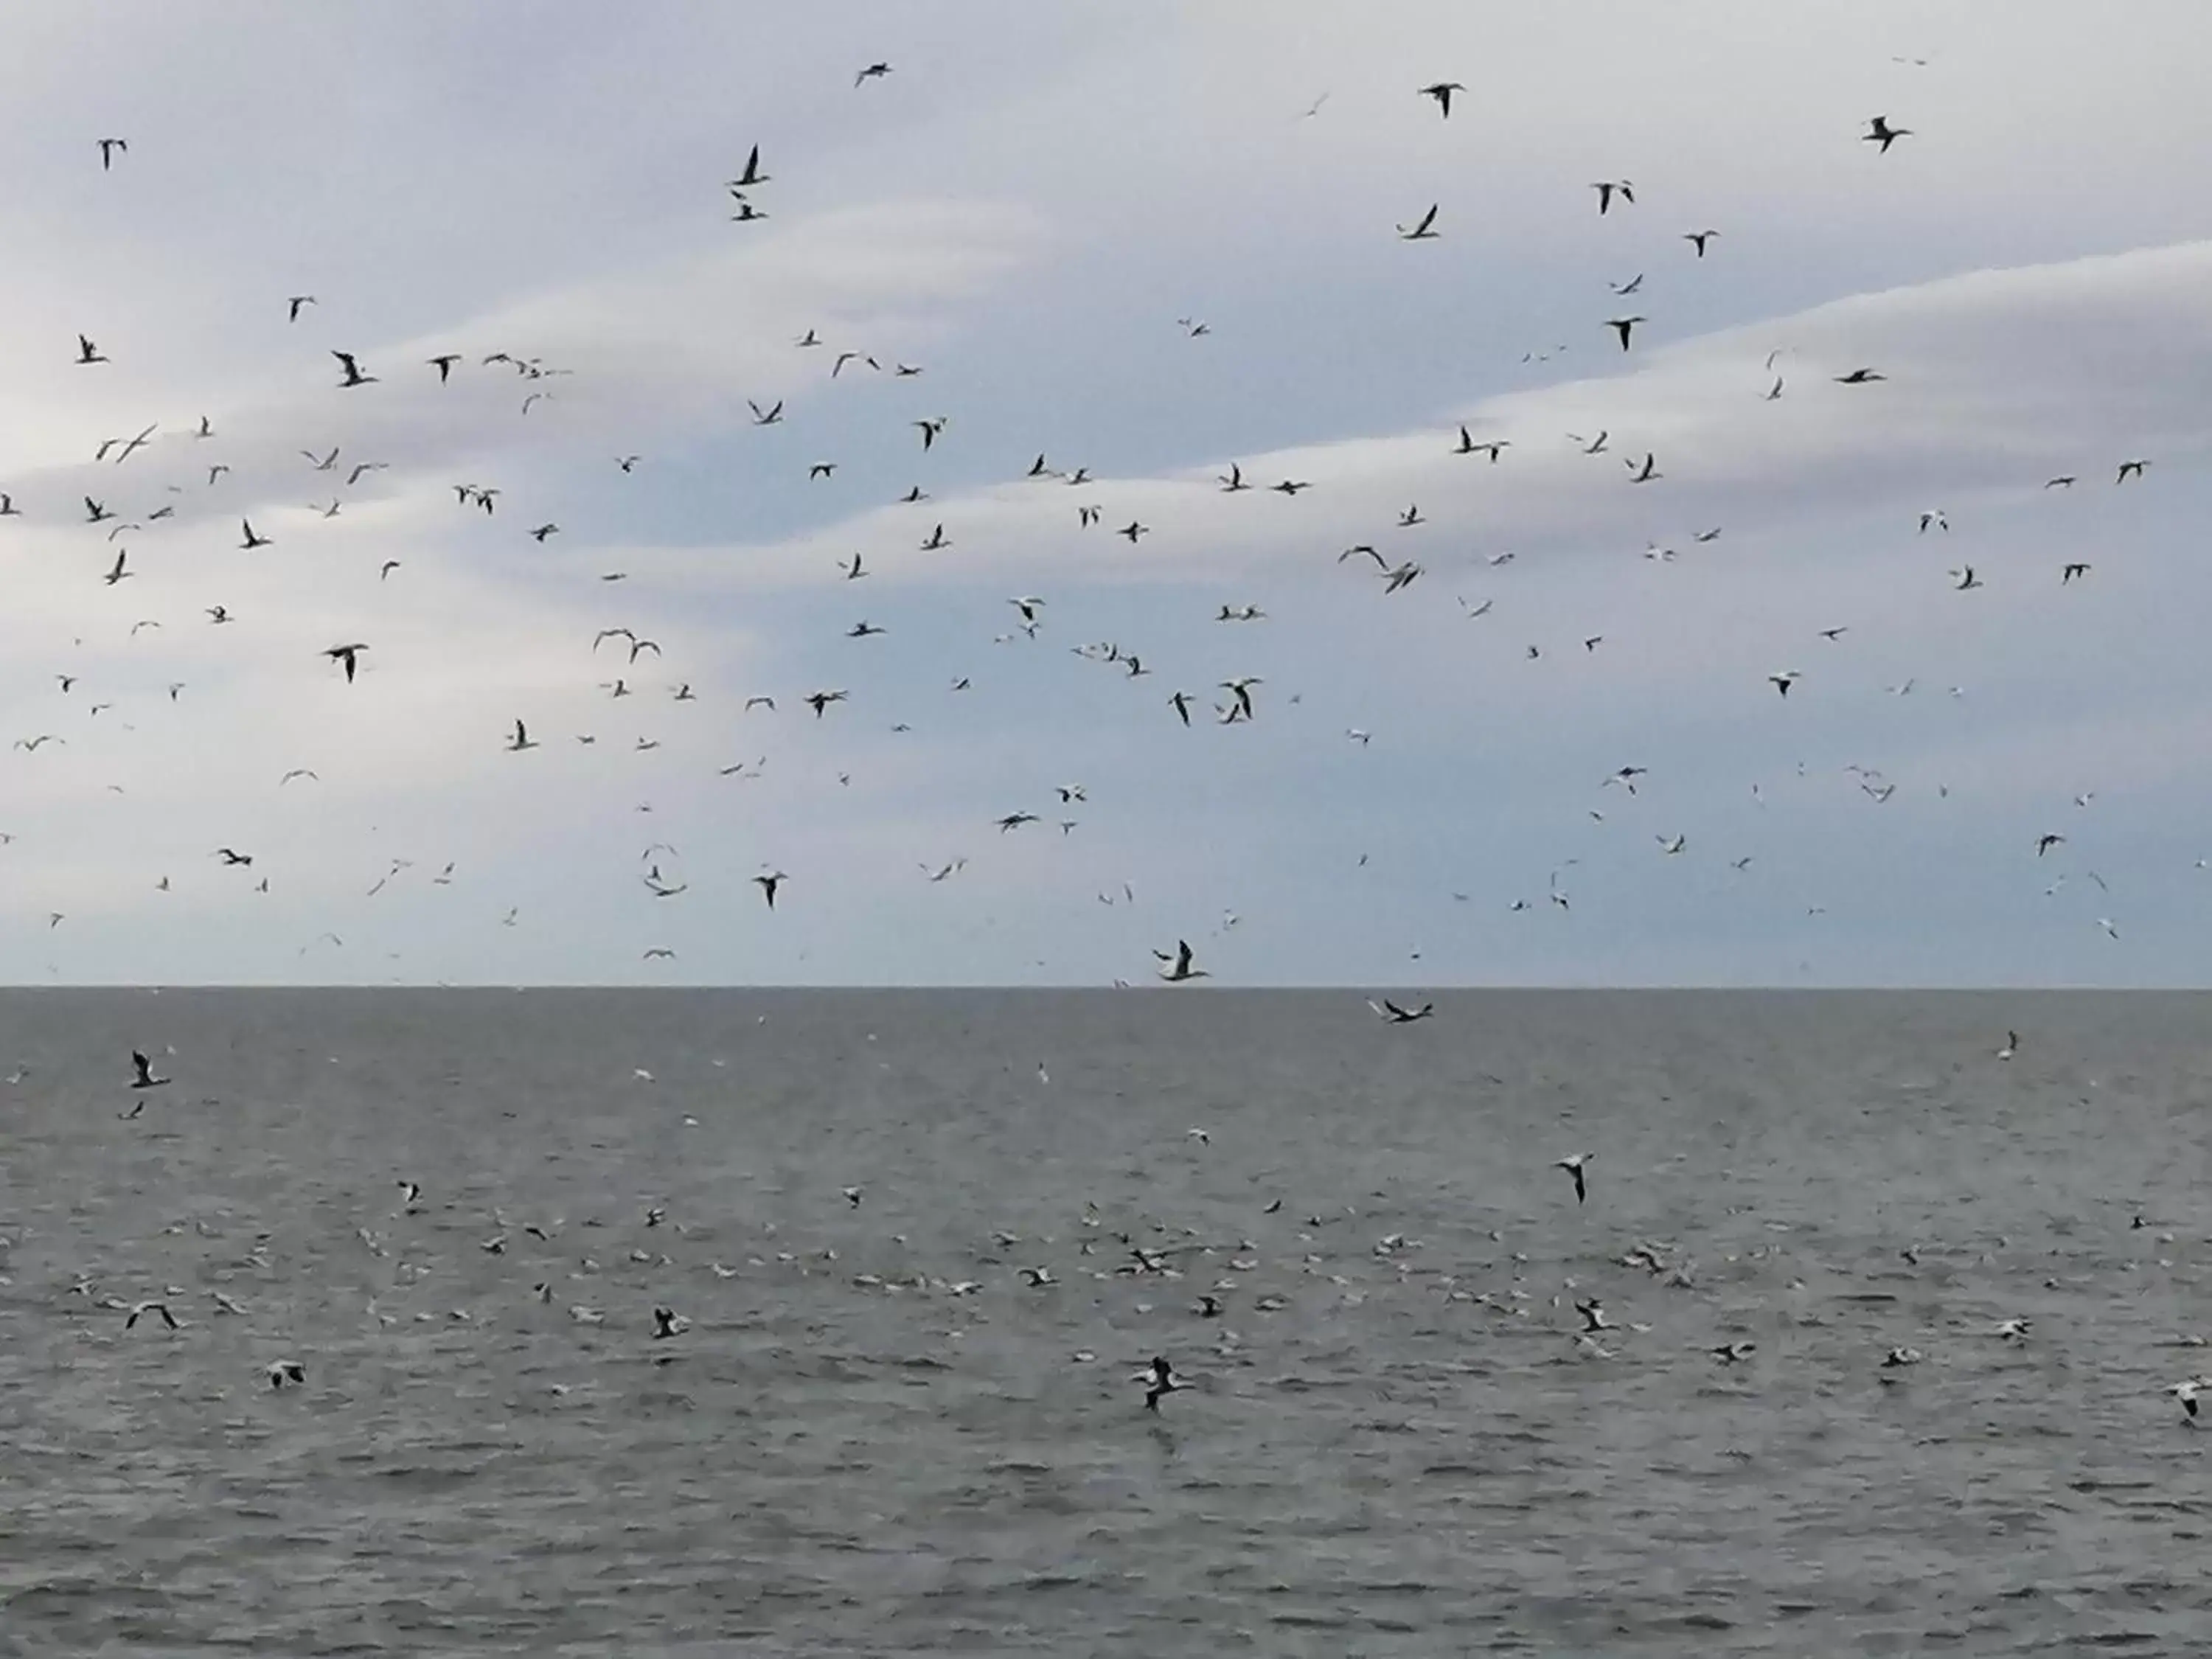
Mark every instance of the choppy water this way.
pixel 852 1451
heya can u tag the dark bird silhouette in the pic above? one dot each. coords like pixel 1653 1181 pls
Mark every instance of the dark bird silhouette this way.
pixel 353 374
pixel 1860 377
pixel 1607 188
pixel 234 859
pixel 109 148
pixel 293 303
pixel 752 175
pixel 1622 326
pixel 1424 229
pixel 769 883
pixel 144 1069
pixel 874 72
pixel 251 540
pixel 348 654
pixel 1878 131
pixel 1442 92
pixel 1698 239
pixel 87 352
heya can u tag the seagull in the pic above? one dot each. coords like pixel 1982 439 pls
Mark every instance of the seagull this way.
pixel 1859 377
pixel 1782 683
pixel 1442 92
pixel 1390 1013
pixel 752 175
pixel 1240 689
pixel 521 740
pixel 874 72
pixel 348 654
pixel 929 430
pixel 666 1323
pixel 1878 131
pixel 1233 481
pixel 2186 1393
pixel 144 1067
pixel 2011 1046
pixel 285 1370
pixel 161 1308
pixel 1933 516
pixel 109 148
pixel 1574 1166
pixel 1731 1353
pixel 817 701
pixel 232 858
pixel 87 352
pixel 769 883
pixel 353 374
pixel 1966 579
pixel 1160 1382
pixel 2045 844
pixel 1622 326
pixel 2068 573
pixel 1178 967
pixel 116 572
pixel 1647 471
pixel 1605 190
pixel 1671 845
pixel 1699 239
pixel 767 416
pixel 251 540
pixel 1424 229
pixel 2129 469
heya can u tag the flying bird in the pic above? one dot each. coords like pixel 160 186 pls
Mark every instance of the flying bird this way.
pixel 1575 1165
pixel 1442 92
pixel 109 148
pixel 769 883
pixel 1176 969
pixel 348 654
pixel 874 72
pixel 1878 131
pixel 1607 188
pixel 353 374
pixel 1424 229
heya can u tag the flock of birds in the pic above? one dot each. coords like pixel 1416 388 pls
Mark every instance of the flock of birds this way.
pixel 1127 1256
pixel 1238 698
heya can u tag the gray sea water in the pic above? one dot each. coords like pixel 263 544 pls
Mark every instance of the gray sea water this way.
pixel 876 1438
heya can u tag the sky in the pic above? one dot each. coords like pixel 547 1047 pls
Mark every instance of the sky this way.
pixel 1135 245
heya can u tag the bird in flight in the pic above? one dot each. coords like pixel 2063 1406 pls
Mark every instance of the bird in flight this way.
pixel 1860 377
pixel 87 352
pixel 1878 131
pixel 1424 230
pixel 293 303
pixel 348 654
pixel 521 739
pixel 1622 325
pixel 766 417
pixel 1606 188
pixel 769 883
pixel 1391 1013
pixel 1177 968
pixel 353 374
pixel 2131 469
pixel 1698 239
pixel 109 148
pixel 144 1069
pixel 1575 1165
pixel 1442 92
pixel 874 72
pixel 251 540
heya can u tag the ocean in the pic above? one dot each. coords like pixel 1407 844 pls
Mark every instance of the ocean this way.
pixel 872 1434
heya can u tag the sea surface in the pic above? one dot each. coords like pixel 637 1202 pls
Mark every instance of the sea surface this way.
pixel 875 1437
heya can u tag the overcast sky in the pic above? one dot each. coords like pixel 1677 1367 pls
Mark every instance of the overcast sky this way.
pixel 1023 209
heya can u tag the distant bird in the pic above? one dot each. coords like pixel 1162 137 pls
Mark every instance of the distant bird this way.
pixel 2045 844
pixel 1782 682
pixel 1575 1165
pixel 116 572
pixel 1177 968
pixel 1698 239
pixel 1963 578
pixel 1161 1383
pixel 930 431
pixel 819 701
pixel 752 175
pixel 1648 471
pixel 1423 230
pixel 348 654
pixel 109 148
pixel 549 528
pixel 1391 1013
pixel 1671 845
pixel 1622 325
pixel 1607 188
pixel 521 740
pixel 285 1371
pixel 1731 1353
pixel 2188 1392
pixel 1878 131
pixel 2068 573
pixel 1442 92
pixel 2131 469
pixel 1859 377
pixel 2011 1046
pixel 769 883
pixel 874 72
pixel 144 1069
pixel 1233 481
pixel 87 352
pixel 353 374
pixel 251 540
pixel 232 858
pixel 767 416
pixel 161 1308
